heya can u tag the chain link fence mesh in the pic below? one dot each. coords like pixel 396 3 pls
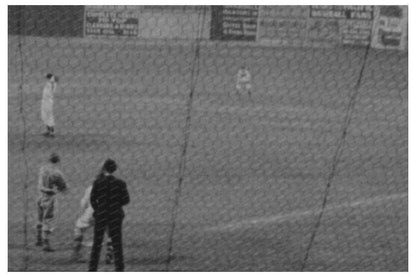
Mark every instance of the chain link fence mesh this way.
pixel 307 174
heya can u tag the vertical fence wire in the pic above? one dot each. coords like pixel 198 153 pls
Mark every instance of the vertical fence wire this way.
pixel 337 154
pixel 186 131
pixel 21 32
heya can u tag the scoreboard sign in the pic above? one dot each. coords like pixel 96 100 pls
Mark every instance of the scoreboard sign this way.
pixel 114 22
pixel 234 22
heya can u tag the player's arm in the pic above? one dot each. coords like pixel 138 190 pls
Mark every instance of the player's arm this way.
pixel 248 76
pixel 41 178
pixel 124 197
pixel 59 182
pixel 239 76
pixel 62 179
pixel 94 196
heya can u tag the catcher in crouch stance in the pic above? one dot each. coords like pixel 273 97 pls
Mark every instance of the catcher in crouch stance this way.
pixel 83 223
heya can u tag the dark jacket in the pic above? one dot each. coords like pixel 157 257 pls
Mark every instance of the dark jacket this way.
pixel 108 196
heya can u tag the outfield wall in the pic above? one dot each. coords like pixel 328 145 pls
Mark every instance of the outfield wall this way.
pixel 385 27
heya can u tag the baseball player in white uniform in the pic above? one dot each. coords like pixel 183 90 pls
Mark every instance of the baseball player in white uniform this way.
pixel 47 104
pixel 51 182
pixel 243 81
pixel 82 224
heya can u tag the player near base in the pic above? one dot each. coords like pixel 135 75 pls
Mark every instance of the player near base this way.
pixel 243 84
pixel 83 223
pixel 51 182
pixel 47 104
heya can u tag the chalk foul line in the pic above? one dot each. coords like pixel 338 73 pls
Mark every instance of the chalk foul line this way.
pixel 296 215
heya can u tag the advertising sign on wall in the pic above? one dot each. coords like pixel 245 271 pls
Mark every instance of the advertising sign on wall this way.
pixel 342 12
pixel 175 23
pixel 234 22
pixel 283 25
pixel 104 21
pixel 324 31
pixel 357 32
pixel 341 24
pixel 390 27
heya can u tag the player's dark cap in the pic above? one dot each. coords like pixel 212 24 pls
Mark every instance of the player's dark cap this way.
pixel 50 75
pixel 109 166
pixel 54 158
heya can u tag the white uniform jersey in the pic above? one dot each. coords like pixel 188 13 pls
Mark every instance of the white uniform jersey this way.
pixel 47 204
pixel 48 91
pixel 243 76
pixel 47 172
pixel 47 104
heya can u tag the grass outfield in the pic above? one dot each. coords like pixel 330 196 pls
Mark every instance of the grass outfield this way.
pixel 256 169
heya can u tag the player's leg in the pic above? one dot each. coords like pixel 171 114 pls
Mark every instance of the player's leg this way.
pixel 84 222
pixel 78 238
pixel 51 123
pixel 99 229
pixel 248 88
pixel 40 223
pixel 49 131
pixel 239 88
pixel 44 117
pixel 109 255
pixel 48 222
pixel 39 241
pixel 48 119
pixel 116 239
pixel 44 120
pixel 52 131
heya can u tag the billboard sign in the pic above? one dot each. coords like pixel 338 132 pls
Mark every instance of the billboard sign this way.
pixel 103 21
pixel 234 22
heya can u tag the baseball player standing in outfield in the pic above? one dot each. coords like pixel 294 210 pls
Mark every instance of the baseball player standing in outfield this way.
pixel 243 81
pixel 83 223
pixel 108 196
pixel 51 181
pixel 47 104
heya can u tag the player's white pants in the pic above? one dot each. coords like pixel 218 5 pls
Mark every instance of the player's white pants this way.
pixel 47 113
pixel 84 222
pixel 47 208
pixel 243 86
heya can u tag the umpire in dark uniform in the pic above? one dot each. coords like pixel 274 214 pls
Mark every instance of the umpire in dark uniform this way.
pixel 108 196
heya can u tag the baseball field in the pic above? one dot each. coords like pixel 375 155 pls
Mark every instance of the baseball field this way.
pixel 227 182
